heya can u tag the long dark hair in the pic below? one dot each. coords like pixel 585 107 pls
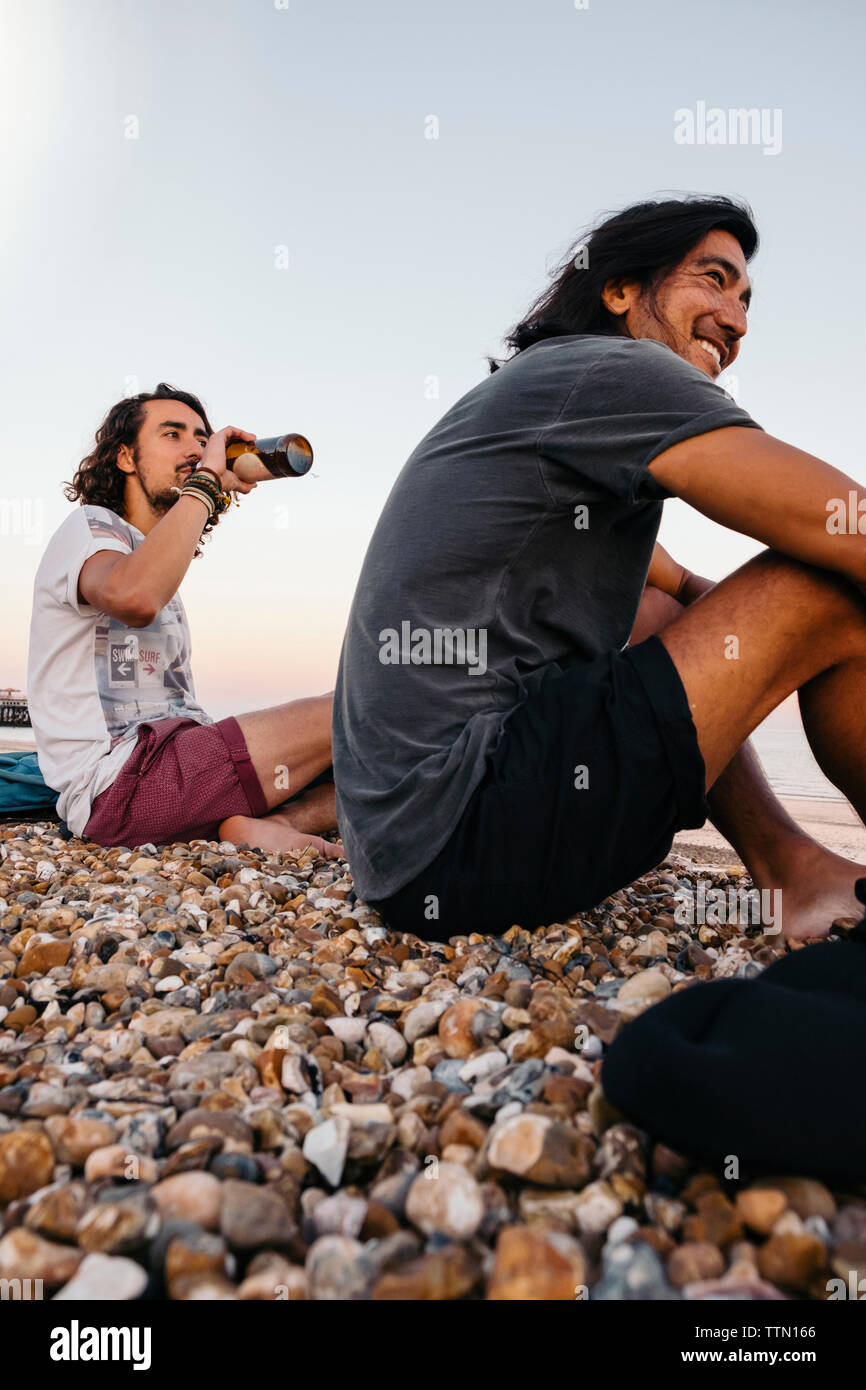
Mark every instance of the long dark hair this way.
pixel 98 480
pixel 642 243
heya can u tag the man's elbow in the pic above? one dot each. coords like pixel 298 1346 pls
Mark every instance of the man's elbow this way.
pixel 131 609
pixel 140 619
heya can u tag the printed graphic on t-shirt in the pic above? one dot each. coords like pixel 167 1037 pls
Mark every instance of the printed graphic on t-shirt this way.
pixel 123 661
pixel 142 673
pixel 132 662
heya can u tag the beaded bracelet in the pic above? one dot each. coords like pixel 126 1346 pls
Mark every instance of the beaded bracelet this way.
pixel 201 496
pixel 213 489
pixel 205 480
pixel 204 468
pixel 217 486
pixel 218 501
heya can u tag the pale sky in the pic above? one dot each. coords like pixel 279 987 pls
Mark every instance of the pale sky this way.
pixel 257 127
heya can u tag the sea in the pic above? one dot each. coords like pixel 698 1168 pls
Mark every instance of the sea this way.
pixel 784 753
pixel 789 764
pixel 16 735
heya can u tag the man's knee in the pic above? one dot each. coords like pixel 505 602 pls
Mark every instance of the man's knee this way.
pixel 808 590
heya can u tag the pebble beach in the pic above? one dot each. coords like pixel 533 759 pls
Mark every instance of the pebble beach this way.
pixel 221 1078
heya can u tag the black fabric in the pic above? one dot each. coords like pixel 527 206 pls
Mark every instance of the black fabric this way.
pixel 769 1070
pixel 533 848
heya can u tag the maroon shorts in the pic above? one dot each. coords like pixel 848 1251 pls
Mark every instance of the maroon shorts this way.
pixel 180 781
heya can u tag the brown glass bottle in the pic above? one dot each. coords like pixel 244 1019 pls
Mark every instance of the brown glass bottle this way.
pixel 278 456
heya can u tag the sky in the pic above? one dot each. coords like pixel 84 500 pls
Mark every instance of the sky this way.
pixel 321 216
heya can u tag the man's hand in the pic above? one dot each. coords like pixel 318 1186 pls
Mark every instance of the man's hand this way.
pixel 215 457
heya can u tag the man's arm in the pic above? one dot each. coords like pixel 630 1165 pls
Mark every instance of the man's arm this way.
pixel 758 485
pixel 674 579
pixel 134 588
pixel 664 573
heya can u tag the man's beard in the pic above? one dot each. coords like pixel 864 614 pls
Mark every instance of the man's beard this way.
pixel 162 500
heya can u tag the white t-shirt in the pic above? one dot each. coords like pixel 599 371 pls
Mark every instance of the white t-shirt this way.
pixel 91 681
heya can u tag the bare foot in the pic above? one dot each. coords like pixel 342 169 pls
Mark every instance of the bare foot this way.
pixel 277 833
pixel 816 888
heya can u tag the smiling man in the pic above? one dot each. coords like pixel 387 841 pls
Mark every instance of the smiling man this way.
pixel 119 731
pixel 619 689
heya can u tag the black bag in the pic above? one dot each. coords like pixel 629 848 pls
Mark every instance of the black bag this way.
pixel 770 1070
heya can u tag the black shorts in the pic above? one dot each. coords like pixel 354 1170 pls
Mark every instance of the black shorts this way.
pixel 593 775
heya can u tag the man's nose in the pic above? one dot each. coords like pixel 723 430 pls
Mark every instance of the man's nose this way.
pixel 732 318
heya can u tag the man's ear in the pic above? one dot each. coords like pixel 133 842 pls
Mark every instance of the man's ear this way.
pixel 619 295
pixel 125 460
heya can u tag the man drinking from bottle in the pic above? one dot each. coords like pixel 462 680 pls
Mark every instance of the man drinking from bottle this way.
pixel 119 731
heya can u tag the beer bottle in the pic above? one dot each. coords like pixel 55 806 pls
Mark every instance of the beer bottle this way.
pixel 279 456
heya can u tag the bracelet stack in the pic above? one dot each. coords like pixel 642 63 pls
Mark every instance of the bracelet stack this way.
pixel 203 484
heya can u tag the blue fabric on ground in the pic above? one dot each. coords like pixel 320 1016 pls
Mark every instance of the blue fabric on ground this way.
pixel 22 786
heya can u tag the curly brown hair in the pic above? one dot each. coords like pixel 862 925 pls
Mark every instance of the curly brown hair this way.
pixel 98 480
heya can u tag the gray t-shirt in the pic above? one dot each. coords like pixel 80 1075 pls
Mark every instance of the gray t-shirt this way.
pixel 517 535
